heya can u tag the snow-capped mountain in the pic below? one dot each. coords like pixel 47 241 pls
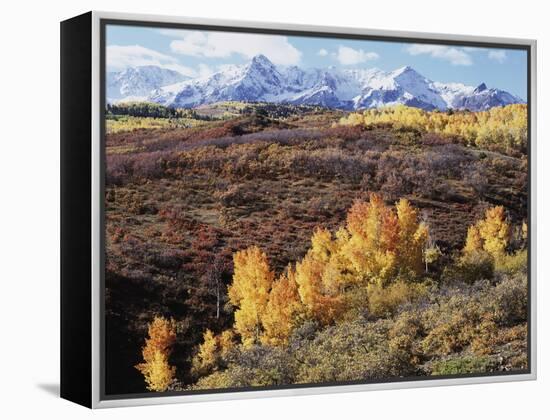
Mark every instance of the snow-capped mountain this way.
pixel 261 80
pixel 481 97
pixel 137 83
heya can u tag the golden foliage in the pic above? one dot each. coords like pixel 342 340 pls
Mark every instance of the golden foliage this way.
pixel 495 231
pixel 283 307
pixel 125 123
pixel 321 300
pixel 211 350
pixel 156 370
pixel 252 280
pixel 375 263
pixel 491 234
pixel 377 243
pixel 501 128
pixel 158 373
pixel 206 357
pixel 412 237
pixel 226 342
pixel 371 262
pixel 383 241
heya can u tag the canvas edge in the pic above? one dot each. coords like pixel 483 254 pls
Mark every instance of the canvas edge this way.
pixel 95 210
pixel 532 231
pixel 97 402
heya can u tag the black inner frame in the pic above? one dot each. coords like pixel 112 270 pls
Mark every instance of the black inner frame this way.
pixel 312 34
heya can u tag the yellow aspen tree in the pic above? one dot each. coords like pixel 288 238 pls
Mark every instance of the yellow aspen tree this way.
pixel 322 245
pixel 340 263
pixel 364 220
pixel 206 357
pixel 283 308
pixel 327 251
pixel 321 303
pixel 211 351
pixel 322 274
pixel 374 232
pixel 364 226
pixel 156 370
pixel 383 240
pixel 226 342
pixel 412 237
pixel 252 280
pixel 495 231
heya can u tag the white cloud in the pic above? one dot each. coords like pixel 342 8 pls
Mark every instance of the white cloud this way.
pixel 120 57
pixel 186 71
pixel 497 55
pixel 347 55
pixel 205 70
pixel 224 44
pixel 455 56
pixel 322 52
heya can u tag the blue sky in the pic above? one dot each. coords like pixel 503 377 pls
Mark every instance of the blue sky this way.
pixel 196 53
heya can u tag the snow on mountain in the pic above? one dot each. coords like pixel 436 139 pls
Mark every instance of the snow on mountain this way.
pixel 261 80
pixel 402 86
pixel 459 96
pixel 484 98
pixel 137 83
pixel 451 92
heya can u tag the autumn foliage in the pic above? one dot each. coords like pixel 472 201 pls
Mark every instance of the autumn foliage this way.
pixel 383 240
pixel 282 310
pixel 377 244
pixel 491 234
pixel 500 128
pixel 252 281
pixel 211 351
pixel 157 372
pixel 319 280
pixel 375 264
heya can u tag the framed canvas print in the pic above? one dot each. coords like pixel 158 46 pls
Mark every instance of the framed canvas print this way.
pixel 254 209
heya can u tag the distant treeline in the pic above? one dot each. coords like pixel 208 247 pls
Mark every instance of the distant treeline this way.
pixel 279 110
pixel 152 110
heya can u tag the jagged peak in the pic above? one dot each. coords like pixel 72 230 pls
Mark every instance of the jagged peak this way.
pixel 261 59
pixel 482 87
pixel 405 69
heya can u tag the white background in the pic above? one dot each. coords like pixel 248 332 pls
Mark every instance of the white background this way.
pixel 29 210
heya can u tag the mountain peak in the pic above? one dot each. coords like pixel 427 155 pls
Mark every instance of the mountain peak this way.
pixel 404 69
pixel 262 60
pixel 480 88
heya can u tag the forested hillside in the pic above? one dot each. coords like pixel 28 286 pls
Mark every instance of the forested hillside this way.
pixel 258 244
